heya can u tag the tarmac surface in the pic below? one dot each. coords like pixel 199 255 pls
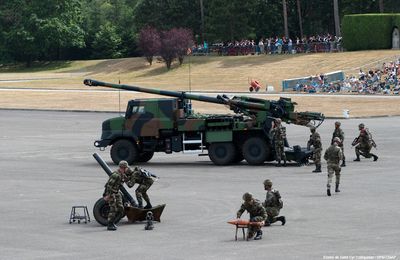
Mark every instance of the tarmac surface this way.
pixel 47 167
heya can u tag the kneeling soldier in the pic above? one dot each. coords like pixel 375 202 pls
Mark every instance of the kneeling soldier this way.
pixel 272 204
pixel 257 214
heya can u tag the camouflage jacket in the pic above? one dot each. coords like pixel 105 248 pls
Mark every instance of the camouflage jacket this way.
pixel 315 141
pixel 338 132
pixel 113 184
pixel 279 133
pixel 255 210
pixel 139 176
pixel 333 154
pixel 273 199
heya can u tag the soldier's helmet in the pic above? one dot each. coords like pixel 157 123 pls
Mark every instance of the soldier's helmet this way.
pixel 336 140
pixel 247 196
pixel 312 129
pixel 337 123
pixel 268 183
pixel 278 121
pixel 123 164
pixel 361 126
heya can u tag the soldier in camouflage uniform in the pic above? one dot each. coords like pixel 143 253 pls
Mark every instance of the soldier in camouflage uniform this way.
pixel 113 196
pixel 338 132
pixel 257 214
pixel 315 142
pixel 279 136
pixel 364 144
pixel 145 180
pixel 333 155
pixel 272 204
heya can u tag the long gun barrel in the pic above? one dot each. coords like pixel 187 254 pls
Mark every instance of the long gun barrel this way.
pixel 282 108
pixel 107 169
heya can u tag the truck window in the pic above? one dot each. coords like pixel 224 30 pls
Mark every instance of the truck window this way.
pixel 134 110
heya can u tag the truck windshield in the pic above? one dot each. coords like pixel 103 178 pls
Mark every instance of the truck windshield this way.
pixel 134 110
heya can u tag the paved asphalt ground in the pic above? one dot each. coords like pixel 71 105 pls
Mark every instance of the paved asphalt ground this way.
pixel 47 167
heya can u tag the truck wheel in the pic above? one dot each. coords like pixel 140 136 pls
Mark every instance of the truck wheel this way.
pixel 255 150
pixel 124 150
pixel 145 157
pixel 222 153
pixel 100 212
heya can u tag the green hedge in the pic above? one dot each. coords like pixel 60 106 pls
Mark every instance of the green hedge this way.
pixel 369 31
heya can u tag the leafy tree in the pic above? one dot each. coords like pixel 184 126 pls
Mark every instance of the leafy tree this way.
pixel 106 43
pixel 174 44
pixel 40 29
pixel 149 42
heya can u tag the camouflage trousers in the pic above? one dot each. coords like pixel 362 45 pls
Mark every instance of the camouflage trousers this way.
pixel 141 193
pixel 280 151
pixel 252 230
pixel 333 169
pixel 116 206
pixel 342 147
pixel 272 213
pixel 364 151
pixel 317 156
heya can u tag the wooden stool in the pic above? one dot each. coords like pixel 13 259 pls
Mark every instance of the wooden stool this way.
pixel 75 216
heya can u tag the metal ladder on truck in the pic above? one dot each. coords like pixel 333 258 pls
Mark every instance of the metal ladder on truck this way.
pixel 186 142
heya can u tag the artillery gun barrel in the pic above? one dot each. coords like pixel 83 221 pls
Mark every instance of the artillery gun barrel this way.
pixel 107 169
pixel 178 94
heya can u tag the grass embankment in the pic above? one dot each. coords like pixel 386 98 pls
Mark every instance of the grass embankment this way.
pixel 221 74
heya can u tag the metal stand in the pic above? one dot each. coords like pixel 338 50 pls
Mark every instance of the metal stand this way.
pixel 75 216
pixel 242 227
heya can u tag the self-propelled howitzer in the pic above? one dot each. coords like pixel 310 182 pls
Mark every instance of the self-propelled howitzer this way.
pixel 169 125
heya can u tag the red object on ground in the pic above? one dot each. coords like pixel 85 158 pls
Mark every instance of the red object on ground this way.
pixel 254 85
pixel 245 222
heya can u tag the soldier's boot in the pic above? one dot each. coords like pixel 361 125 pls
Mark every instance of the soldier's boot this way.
pixel 343 164
pixel 258 235
pixel 281 219
pixel 337 187
pixel 284 163
pixel 317 168
pixel 278 164
pixel 267 223
pixel 111 226
pixel 357 159
pixel 375 157
pixel 328 191
pixel 148 205
pixel 140 203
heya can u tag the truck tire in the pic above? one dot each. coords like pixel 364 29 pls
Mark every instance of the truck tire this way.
pixel 255 150
pixel 124 150
pixel 222 153
pixel 100 212
pixel 145 156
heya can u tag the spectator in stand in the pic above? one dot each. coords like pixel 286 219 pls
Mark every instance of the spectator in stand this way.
pixel 261 46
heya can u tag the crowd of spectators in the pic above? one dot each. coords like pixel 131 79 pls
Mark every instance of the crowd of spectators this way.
pixel 272 45
pixel 384 80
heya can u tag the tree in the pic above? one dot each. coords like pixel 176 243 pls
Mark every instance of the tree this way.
pixel 149 42
pixel 285 22
pixel 40 29
pixel 174 44
pixel 106 43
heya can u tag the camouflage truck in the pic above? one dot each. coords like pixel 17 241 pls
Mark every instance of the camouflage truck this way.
pixel 169 125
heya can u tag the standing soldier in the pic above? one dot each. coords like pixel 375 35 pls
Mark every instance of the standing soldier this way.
pixel 272 204
pixel 113 196
pixel 315 142
pixel 145 180
pixel 338 132
pixel 257 214
pixel 364 144
pixel 279 136
pixel 333 155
